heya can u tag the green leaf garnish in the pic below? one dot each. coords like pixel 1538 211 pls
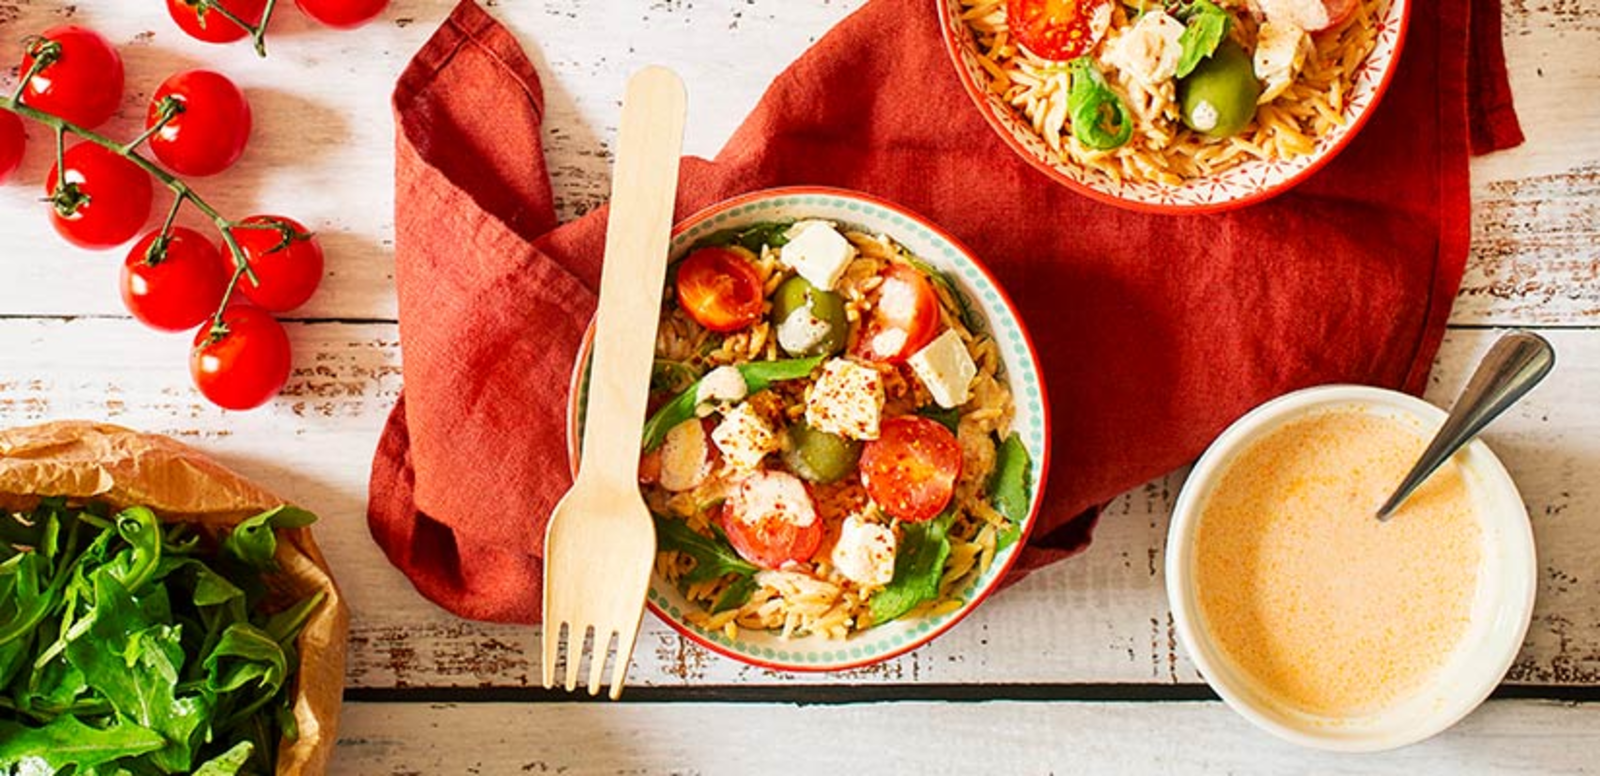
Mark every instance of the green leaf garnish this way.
pixel 1009 489
pixel 918 565
pixel 1099 119
pixel 1206 26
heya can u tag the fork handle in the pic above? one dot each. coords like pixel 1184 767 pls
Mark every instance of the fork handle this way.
pixel 643 190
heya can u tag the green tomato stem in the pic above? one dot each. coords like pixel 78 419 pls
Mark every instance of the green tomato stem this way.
pixel 258 31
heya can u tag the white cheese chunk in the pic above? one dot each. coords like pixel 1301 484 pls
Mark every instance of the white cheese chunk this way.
pixel 744 438
pixel 818 253
pixel 1309 15
pixel 721 384
pixel 847 400
pixel 946 368
pixel 1149 50
pixel 864 553
pixel 685 457
pixel 772 495
pixel 1281 49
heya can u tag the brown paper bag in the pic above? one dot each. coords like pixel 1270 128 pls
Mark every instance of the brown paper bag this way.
pixel 83 461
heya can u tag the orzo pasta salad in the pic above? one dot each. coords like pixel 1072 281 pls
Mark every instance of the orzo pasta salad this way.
pixel 831 443
pixel 1171 90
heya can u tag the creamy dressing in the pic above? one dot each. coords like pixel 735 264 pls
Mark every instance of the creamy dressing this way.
pixel 1321 606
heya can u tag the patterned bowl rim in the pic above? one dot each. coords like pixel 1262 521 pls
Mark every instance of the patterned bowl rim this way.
pixel 1042 465
pixel 957 40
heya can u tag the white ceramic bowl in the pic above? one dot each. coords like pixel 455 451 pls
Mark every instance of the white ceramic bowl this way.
pixel 1031 420
pixel 1501 608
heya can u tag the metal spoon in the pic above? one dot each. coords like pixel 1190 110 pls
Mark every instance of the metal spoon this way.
pixel 1516 363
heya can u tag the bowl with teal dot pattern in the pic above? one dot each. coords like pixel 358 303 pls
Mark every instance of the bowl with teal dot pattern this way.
pixel 998 319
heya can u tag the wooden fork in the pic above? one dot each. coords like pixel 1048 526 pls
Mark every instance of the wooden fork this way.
pixel 600 546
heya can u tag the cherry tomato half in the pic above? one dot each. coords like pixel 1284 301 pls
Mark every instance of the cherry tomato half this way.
pixel 910 470
pixel 206 24
pixel 770 520
pixel 104 198
pixel 1056 29
pixel 246 364
pixel 720 289
pixel 176 289
pixel 287 262
pixel 83 85
pixel 904 318
pixel 13 141
pixel 208 133
pixel 342 13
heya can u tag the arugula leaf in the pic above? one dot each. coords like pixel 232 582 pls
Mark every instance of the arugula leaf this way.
pixel 1206 26
pixel 65 741
pixel 668 375
pixel 918 565
pixel 1009 489
pixel 228 763
pixel 285 626
pixel 736 594
pixel 767 233
pixel 949 418
pixel 1099 119
pixel 138 527
pixel 713 556
pixel 246 654
pixel 758 376
pixel 938 278
pixel 254 540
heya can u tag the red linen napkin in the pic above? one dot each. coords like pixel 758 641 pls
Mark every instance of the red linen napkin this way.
pixel 1155 332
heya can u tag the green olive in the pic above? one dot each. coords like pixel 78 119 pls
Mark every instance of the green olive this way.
pixel 819 456
pixel 821 327
pixel 1219 97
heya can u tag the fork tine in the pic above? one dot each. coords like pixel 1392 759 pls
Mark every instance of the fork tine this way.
pixel 552 649
pixel 619 669
pixel 597 659
pixel 577 647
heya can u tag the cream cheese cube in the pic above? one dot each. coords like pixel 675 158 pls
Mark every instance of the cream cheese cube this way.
pixel 847 399
pixel 945 367
pixel 744 438
pixel 818 253
pixel 864 553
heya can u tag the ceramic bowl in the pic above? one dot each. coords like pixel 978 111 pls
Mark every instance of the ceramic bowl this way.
pixel 1501 607
pixel 1032 420
pixel 1245 184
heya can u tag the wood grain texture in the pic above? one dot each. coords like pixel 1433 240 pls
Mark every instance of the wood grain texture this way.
pixel 1503 737
pixel 1098 618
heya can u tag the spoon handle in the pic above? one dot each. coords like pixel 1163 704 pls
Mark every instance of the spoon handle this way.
pixel 1516 363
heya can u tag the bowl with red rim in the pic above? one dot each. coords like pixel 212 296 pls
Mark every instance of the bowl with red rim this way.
pixel 1244 184
pixel 1021 372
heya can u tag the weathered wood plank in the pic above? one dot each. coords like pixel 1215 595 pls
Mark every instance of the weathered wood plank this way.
pixel 321 148
pixel 1098 618
pixel 1503 737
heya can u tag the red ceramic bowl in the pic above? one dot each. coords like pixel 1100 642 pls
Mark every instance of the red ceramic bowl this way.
pixel 1021 371
pixel 1236 187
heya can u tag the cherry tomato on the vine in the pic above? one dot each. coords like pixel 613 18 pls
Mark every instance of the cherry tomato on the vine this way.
pixel 103 198
pixel 342 13
pixel 13 141
pixel 84 83
pixel 286 259
pixel 203 22
pixel 207 133
pixel 179 286
pixel 245 363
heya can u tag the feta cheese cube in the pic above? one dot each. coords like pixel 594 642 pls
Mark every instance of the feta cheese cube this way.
pixel 772 495
pixel 818 253
pixel 721 384
pixel 864 553
pixel 744 438
pixel 1306 14
pixel 1281 50
pixel 1149 50
pixel 946 368
pixel 847 400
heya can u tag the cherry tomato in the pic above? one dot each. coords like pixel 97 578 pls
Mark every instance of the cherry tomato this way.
pixel 770 520
pixel 910 470
pixel 104 198
pixel 13 141
pixel 1339 11
pixel 244 365
pixel 342 13
pixel 206 24
pixel 83 85
pixel 904 319
pixel 208 133
pixel 178 288
pixel 720 289
pixel 1057 29
pixel 287 264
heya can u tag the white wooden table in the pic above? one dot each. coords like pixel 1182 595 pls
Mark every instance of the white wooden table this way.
pixel 1074 669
